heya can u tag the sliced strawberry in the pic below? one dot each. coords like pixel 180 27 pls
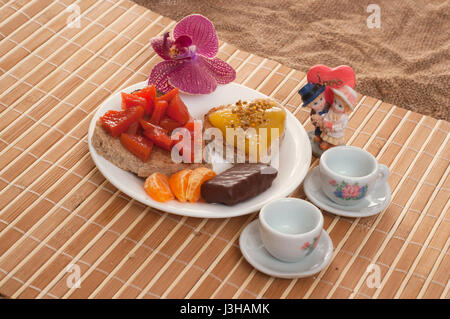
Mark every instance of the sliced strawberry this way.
pixel 149 94
pixel 132 100
pixel 190 125
pixel 137 144
pixel 169 124
pixel 117 122
pixel 157 135
pixel 169 95
pixel 177 110
pixel 134 129
pixel 158 112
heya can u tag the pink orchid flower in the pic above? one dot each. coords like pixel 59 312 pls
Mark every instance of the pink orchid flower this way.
pixel 189 58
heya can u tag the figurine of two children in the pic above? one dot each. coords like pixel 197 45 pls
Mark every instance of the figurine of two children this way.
pixel 330 121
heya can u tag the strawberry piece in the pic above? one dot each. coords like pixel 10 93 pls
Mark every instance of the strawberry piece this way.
pixel 169 124
pixel 157 135
pixel 169 95
pixel 149 94
pixel 177 110
pixel 159 111
pixel 134 129
pixel 117 122
pixel 137 144
pixel 132 100
pixel 190 125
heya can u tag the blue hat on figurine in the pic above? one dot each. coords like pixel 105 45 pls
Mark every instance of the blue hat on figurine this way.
pixel 310 91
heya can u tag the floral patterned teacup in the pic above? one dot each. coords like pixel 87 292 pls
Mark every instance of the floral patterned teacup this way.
pixel 290 228
pixel 348 174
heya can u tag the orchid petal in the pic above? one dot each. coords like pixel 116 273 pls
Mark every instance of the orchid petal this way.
pixel 193 77
pixel 202 33
pixel 183 41
pixel 162 45
pixel 220 70
pixel 188 53
pixel 160 75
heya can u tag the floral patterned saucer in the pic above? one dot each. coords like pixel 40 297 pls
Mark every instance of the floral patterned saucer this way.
pixel 372 204
pixel 253 250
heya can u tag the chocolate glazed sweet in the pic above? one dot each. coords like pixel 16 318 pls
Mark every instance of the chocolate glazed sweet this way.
pixel 239 183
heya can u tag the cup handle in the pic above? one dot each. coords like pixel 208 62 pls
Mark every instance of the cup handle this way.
pixel 383 175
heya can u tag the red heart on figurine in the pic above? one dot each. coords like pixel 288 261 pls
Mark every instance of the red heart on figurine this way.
pixel 331 78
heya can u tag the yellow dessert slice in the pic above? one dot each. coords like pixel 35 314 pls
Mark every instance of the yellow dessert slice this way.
pixel 256 119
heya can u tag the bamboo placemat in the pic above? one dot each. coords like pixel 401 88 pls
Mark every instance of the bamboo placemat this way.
pixel 59 215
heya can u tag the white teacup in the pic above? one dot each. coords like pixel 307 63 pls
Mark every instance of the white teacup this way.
pixel 290 228
pixel 348 174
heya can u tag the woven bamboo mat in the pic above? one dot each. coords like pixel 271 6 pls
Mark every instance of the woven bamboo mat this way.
pixel 59 215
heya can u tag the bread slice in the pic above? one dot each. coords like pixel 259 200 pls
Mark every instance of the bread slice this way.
pixel 160 160
pixel 227 147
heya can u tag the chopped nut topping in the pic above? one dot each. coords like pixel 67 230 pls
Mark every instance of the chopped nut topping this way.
pixel 252 114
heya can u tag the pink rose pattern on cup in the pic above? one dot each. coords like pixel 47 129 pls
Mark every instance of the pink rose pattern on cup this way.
pixel 349 192
pixel 310 246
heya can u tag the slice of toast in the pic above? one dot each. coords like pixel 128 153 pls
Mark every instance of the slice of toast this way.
pixel 231 148
pixel 160 160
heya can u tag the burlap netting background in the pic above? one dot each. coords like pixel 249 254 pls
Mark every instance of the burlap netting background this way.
pixel 405 62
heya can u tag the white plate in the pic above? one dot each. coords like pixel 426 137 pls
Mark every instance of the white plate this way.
pixel 295 157
pixel 253 250
pixel 375 202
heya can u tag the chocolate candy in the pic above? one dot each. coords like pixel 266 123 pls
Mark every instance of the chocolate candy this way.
pixel 239 183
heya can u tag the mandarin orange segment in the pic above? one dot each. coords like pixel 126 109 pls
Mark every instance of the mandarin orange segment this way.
pixel 178 183
pixel 196 179
pixel 157 186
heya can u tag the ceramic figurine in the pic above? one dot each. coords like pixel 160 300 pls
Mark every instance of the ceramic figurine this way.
pixel 319 94
pixel 313 96
pixel 335 120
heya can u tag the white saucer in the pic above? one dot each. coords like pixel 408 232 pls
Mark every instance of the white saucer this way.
pixel 372 204
pixel 253 250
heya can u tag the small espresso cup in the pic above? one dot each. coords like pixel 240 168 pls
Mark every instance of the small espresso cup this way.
pixel 290 228
pixel 348 174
